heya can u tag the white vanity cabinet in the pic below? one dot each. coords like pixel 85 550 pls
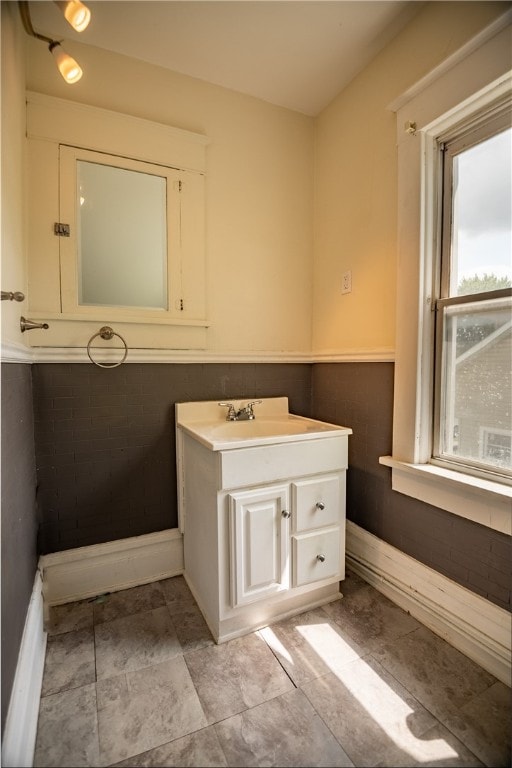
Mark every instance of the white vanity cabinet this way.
pixel 263 522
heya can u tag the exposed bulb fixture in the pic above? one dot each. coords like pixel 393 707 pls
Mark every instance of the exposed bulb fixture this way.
pixel 68 67
pixel 76 13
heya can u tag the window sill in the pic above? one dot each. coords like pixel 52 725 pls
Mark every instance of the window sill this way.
pixel 482 501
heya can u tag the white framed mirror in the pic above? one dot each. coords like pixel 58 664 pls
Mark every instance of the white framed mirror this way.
pixel 122 237
pixel 135 242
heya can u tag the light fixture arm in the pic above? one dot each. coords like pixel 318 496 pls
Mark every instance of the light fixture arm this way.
pixel 27 23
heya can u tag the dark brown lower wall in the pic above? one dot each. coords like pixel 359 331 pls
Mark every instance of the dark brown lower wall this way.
pixel 19 523
pixel 360 396
pixel 106 456
pixel 105 442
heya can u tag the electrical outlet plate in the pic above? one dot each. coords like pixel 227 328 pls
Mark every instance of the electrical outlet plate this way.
pixel 346 282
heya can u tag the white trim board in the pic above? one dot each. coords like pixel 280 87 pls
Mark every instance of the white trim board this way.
pixel 484 501
pixel 482 37
pixel 17 353
pixel 50 118
pixel 21 724
pixel 473 625
pixel 76 574
pixel 12 352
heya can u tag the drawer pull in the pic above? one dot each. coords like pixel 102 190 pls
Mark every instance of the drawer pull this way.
pixel 321 558
pixel 320 505
pixel 285 513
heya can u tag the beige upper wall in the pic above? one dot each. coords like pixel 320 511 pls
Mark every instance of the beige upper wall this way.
pixel 356 180
pixel 265 291
pixel 13 266
pixel 259 190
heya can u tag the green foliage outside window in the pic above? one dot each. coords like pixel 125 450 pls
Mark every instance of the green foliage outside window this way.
pixel 482 283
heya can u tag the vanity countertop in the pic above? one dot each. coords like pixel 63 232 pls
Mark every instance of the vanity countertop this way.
pixel 273 423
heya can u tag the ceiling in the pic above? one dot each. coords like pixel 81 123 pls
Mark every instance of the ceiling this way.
pixel 297 54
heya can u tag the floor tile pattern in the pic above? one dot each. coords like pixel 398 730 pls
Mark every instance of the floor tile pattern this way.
pixel 134 679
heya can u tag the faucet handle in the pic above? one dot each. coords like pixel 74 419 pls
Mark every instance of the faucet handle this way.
pixel 248 408
pixel 231 412
pixel 254 402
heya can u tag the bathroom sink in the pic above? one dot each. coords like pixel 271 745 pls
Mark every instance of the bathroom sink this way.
pixel 259 428
pixel 207 423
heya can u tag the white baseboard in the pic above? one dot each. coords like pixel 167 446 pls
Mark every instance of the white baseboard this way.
pixel 75 574
pixel 473 625
pixel 21 723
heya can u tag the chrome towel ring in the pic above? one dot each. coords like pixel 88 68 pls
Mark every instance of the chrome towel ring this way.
pixel 107 333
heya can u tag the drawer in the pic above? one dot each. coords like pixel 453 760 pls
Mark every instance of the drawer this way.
pixel 316 556
pixel 318 502
pixel 281 461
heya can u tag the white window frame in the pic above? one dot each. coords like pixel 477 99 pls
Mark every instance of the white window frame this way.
pixel 466 86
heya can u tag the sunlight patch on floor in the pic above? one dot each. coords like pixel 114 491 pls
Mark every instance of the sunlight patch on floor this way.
pixel 275 644
pixel 383 704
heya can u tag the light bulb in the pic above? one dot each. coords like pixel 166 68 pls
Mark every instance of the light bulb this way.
pixel 68 67
pixel 76 13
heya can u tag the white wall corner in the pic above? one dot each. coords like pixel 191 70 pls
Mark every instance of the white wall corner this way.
pixel 470 623
pixel 13 352
pixel 76 574
pixel 21 723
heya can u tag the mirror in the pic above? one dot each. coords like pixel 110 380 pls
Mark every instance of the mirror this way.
pixel 121 237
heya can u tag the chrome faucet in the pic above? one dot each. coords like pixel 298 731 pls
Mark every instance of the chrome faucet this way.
pixel 247 412
pixel 243 414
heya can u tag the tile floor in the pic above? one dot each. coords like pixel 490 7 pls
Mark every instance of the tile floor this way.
pixel 134 679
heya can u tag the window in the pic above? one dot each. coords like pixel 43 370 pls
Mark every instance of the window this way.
pixel 473 334
pixel 432 373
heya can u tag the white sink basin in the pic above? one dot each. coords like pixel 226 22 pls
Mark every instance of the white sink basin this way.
pixel 259 428
pixel 272 424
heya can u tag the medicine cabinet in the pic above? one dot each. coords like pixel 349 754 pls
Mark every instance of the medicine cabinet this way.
pixel 126 247
pixel 116 224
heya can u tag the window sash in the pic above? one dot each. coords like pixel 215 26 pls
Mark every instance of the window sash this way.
pixel 448 378
pixel 486 126
pixel 483 127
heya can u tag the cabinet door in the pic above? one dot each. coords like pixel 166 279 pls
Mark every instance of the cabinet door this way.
pixel 259 547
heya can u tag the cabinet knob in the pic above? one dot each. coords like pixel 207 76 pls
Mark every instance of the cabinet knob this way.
pixel 321 558
pixel 320 505
pixel 285 513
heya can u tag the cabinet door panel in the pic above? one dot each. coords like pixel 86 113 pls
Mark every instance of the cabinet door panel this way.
pixel 316 556
pixel 259 534
pixel 318 502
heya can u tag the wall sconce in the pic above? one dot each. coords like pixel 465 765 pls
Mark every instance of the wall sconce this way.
pixel 78 15
pixel 68 67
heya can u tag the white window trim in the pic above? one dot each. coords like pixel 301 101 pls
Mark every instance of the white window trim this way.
pixel 465 87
